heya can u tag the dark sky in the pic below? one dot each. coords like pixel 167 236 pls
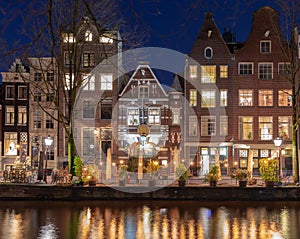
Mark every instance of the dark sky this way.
pixel 171 24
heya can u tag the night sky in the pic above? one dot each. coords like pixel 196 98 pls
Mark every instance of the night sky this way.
pixel 171 24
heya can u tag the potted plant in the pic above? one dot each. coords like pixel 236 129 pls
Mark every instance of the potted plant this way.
pixel 152 169
pixel 242 176
pixel 122 175
pixel 91 174
pixel 213 176
pixel 182 174
pixel 78 171
pixel 268 169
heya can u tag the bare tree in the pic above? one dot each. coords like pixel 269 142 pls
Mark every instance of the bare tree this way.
pixel 289 43
pixel 57 29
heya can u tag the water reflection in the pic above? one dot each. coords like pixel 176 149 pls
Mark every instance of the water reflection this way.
pixel 149 220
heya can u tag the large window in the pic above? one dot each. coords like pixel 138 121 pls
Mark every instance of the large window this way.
pixel 154 116
pixel 246 97
pixel 133 116
pixel 37 119
pixel 10 115
pixel 88 82
pixel 193 71
pixel 144 92
pixel 208 125
pixel 193 97
pixel 68 37
pixel 265 124
pixel 224 71
pixel 106 109
pixel 285 98
pixel 193 126
pixel 265 97
pixel 37 96
pixel 88 35
pixel 245 127
pixel 265 47
pixel 285 127
pixel 175 115
pixel 106 81
pixel 10 143
pixel 208 98
pixel 88 59
pixel 88 141
pixel 223 98
pixel 284 68
pixel 223 125
pixel 208 74
pixel 88 109
pixel 245 68
pixel 50 120
pixel 22 92
pixel 37 76
pixel 10 92
pixel 265 71
pixel 22 115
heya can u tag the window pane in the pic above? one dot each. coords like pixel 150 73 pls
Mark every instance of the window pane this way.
pixel 208 74
pixel 265 71
pixel 223 97
pixel 285 127
pixel 223 71
pixel 245 128
pixel 245 68
pixel 193 97
pixel 246 97
pixel 193 71
pixel 208 125
pixel 208 98
pixel 193 126
pixel 106 81
pixel 265 97
pixel 265 128
pixel 285 98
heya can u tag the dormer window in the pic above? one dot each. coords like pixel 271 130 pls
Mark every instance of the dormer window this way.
pixel 208 53
pixel 265 47
pixel 106 38
pixel 88 35
pixel 69 38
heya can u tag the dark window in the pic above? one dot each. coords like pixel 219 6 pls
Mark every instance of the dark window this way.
pixel 106 109
pixel 37 76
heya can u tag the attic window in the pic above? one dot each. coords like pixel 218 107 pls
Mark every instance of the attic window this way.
pixel 107 38
pixel 209 33
pixel 208 52
pixel 69 38
pixel 88 35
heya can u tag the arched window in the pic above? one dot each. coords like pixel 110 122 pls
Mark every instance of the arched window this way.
pixel 208 52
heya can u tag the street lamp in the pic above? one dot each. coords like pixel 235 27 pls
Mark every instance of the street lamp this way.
pixel 48 142
pixel 278 142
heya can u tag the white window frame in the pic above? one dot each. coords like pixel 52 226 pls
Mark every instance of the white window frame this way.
pixel 175 115
pixel 193 71
pixel 208 98
pixel 88 82
pixel 206 51
pixel 223 98
pixel 208 74
pixel 245 128
pixel 265 47
pixel 106 81
pixel 154 116
pixel 208 125
pixel 245 68
pixel 246 97
pixel 265 70
pixel 22 115
pixel 10 115
pixel 193 125
pixel 223 125
pixel 21 89
pixel 265 127
pixel 285 98
pixel 133 116
pixel 265 97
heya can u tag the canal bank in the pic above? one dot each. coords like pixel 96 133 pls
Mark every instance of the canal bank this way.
pixel 57 192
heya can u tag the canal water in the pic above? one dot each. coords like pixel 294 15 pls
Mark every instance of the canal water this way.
pixel 149 220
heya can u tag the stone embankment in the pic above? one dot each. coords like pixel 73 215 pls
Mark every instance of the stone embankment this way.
pixel 11 191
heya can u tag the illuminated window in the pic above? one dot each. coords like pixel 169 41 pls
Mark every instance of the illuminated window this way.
pixel 68 81
pixel 193 126
pixel 265 127
pixel 208 98
pixel 175 115
pixel 88 59
pixel 285 127
pixel 106 81
pixel 245 128
pixel 22 115
pixel 245 68
pixel 246 97
pixel 265 97
pixel 154 116
pixel 68 38
pixel 193 71
pixel 88 82
pixel 223 71
pixel 10 143
pixel 223 125
pixel 265 71
pixel 133 116
pixel 208 74
pixel 265 46
pixel 285 98
pixel 106 38
pixel 10 115
pixel 193 97
pixel 223 97
pixel 88 35
pixel 208 125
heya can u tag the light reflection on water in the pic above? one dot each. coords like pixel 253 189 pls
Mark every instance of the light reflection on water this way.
pixel 149 220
